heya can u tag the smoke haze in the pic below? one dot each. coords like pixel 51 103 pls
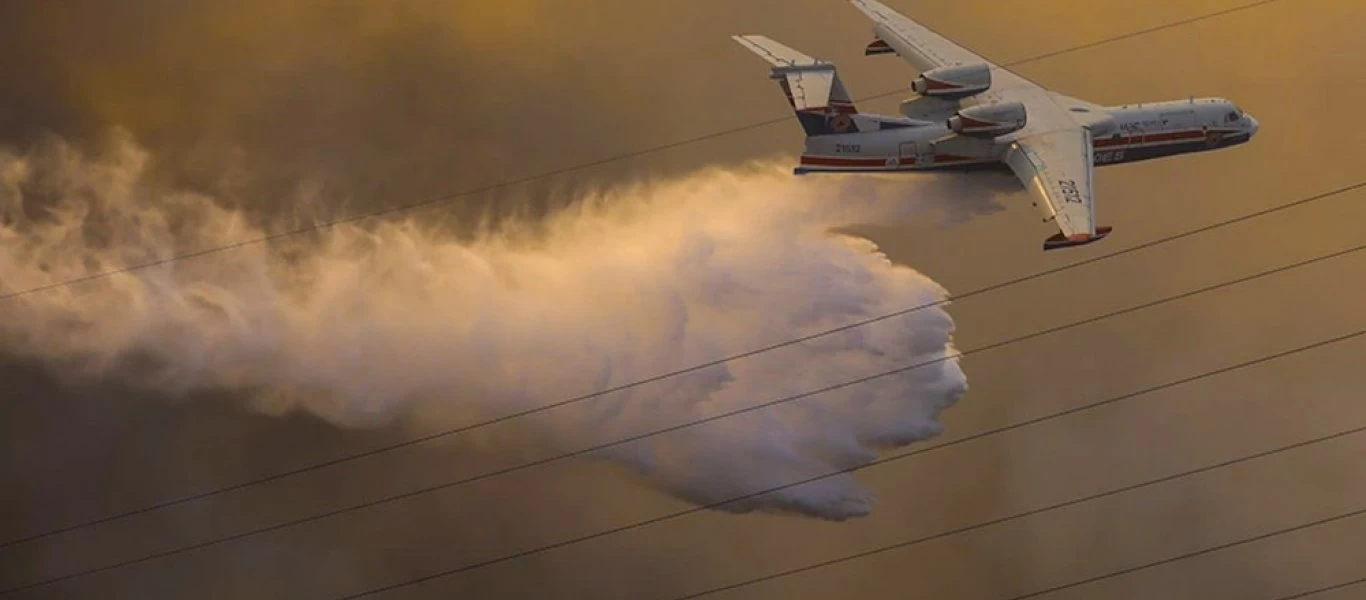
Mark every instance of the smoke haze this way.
pixel 365 323
pixel 259 115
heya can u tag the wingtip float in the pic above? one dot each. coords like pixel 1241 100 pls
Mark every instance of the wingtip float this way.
pixel 1058 240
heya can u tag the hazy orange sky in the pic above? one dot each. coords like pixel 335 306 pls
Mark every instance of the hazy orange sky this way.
pixel 389 103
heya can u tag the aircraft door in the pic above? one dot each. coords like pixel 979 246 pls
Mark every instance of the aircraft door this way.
pixel 910 153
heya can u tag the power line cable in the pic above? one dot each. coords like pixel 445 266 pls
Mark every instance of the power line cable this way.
pixel 717 417
pixel 881 461
pixel 652 379
pixel 690 369
pixel 686 370
pixel 1201 552
pixel 1324 590
pixel 1069 503
pixel 586 165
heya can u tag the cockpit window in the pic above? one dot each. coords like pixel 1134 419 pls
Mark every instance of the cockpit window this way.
pixel 1232 116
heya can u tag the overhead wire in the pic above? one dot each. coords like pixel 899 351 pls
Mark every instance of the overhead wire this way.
pixel 694 423
pixel 1201 552
pixel 1324 590
pixel 637 383
pixel 659 377
pixel 655 378
pixel 1075 502
pixel 881 461
pixel 582 166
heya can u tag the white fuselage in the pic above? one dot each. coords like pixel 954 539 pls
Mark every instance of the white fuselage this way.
pixel 1120 134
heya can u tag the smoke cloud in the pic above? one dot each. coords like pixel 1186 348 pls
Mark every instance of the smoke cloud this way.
pixel 374 321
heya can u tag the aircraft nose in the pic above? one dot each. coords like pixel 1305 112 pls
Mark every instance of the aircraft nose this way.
pixel 1252 125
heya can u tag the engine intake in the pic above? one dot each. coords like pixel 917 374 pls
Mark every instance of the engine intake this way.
pixel 953 82
pixel 990 120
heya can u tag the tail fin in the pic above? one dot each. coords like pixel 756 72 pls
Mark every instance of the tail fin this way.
pixel 812 86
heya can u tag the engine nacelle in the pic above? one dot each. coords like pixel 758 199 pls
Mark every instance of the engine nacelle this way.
pixel 989 120
pixel 953 82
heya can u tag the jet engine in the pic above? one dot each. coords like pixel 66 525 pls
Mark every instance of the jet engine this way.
pixel 954 82
pixel 989 120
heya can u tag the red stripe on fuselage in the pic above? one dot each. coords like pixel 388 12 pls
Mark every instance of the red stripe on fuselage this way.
pixel 1160 137
pixel 908 162
pixel 837 161
pixel 841 161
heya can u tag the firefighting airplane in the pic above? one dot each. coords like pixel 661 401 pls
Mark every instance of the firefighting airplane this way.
pixel 969 112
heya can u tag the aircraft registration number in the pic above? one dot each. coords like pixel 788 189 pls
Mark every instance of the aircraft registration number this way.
pixel 1069 190
pixel 1109 156
pixel 845 148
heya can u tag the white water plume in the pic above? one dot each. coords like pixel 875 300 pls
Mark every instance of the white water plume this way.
pixel 375 320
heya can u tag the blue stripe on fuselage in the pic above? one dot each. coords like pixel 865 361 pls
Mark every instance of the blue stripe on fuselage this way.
pixel 1121 155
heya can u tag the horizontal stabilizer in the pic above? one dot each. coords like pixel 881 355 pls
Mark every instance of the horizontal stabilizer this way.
pixel 781 57
pixel 811 84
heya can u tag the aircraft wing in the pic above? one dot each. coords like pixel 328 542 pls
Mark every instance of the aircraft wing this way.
pixel 1056 168
pixel 924 49
pixel 1051 155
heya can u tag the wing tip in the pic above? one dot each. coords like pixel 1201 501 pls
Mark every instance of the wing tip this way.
pixel 872 8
